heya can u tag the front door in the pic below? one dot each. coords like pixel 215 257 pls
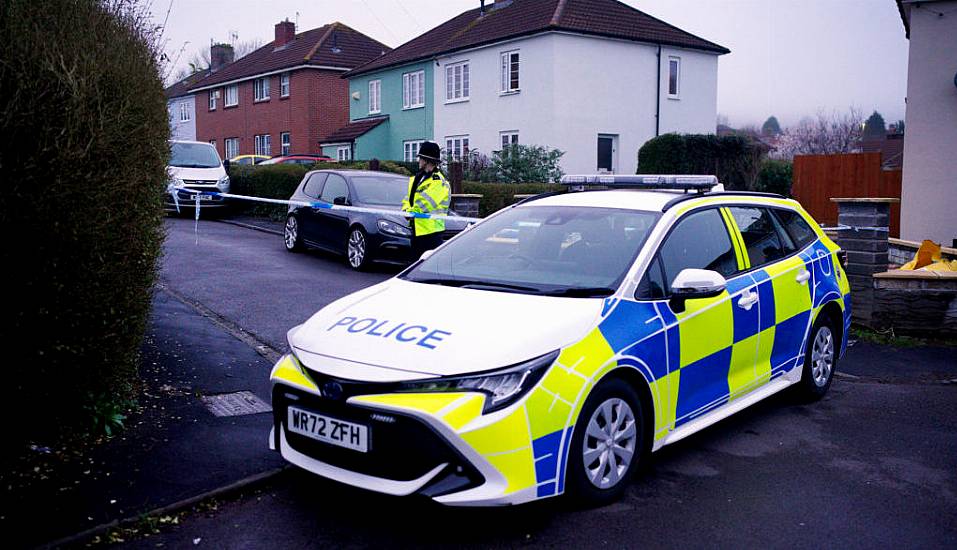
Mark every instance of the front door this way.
pixel 705 326
pixel 607 153
pixel 333 223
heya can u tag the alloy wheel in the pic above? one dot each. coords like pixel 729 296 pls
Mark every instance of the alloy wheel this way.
pixel 608 447
pixel 356 248
pixel 822 356
pixel 291 234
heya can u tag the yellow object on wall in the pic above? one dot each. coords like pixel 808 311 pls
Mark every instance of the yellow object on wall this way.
pixel 928 258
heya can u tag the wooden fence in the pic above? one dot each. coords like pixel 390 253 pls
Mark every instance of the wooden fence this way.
pixel 818 178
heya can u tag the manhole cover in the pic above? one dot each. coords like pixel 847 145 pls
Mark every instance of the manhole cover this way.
pixel 235 404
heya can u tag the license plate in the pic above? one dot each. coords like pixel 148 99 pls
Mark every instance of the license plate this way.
pixel 205 198
pixel 328 430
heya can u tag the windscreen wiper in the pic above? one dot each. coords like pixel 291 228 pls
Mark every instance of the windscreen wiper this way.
pixel 582 292
pixel 476 283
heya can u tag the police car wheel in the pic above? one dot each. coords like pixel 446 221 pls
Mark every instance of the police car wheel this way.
pixel 291 236
pixel 820 360
pixel 607 445
pixel 357 249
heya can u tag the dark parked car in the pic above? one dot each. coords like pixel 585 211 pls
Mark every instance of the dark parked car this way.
pixel 362 237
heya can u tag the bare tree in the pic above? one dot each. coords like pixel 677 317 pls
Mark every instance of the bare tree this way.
pixel 200 60
pixel 828 133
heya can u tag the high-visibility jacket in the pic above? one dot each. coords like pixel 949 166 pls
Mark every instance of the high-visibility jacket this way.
pixel 428 194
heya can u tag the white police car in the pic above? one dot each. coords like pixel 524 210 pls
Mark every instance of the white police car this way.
pixel 555 344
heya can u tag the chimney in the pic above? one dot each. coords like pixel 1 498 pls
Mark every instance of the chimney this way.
pixel 482 8
pixel 219 56
pixel 285 32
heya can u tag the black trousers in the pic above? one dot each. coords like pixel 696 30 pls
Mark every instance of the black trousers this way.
pixel 425 242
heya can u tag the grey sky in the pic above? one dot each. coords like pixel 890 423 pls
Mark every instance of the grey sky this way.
pixel 789 58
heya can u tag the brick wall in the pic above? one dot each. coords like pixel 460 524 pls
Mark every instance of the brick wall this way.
pixel 318 103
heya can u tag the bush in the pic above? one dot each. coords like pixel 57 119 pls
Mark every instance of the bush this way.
pixel 83 154
pixel 736 160
pixel 775 177
pixel 279 181
pixel 496 196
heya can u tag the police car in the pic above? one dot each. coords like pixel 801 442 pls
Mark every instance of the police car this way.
pixel 553 346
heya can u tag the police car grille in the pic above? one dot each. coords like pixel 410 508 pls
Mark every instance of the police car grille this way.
pixel 402 449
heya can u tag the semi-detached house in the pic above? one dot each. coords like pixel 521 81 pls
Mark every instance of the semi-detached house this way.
pixel 280 98
pixel 593 78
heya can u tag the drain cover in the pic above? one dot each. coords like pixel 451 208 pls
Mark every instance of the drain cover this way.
pixel 235 404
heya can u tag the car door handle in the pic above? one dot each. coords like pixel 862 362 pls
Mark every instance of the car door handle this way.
pixel 803 276
pixel 747 300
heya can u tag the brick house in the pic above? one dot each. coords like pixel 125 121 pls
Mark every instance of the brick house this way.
pixel 280 98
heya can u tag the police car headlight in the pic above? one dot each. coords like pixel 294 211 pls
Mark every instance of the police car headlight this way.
pixel 392 228
pixel 502 387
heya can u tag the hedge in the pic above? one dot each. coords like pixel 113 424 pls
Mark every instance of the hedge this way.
pixel 775 177
pixel 83 154
pixel 496 196
pixel 279 181
pixel 736 160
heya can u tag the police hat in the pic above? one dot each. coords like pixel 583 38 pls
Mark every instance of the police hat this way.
pixel 430 151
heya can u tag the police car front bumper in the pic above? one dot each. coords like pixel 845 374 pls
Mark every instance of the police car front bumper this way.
pixel 415 443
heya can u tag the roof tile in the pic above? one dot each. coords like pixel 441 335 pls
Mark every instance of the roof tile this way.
pixel 353 130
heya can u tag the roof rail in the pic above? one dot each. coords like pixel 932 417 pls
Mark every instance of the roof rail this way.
pixel 681 182
pixel 682 198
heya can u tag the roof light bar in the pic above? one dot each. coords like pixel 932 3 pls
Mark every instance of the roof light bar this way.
pixel 643 181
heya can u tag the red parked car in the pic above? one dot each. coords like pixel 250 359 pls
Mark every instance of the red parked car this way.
pixel 307 159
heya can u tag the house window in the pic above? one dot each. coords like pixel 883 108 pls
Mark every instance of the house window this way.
pixel 213 95
pixel 456 147
pixel 413 90
pixel 184 114
pixel 509 71
pixel 375 88
pixel 263 145
pixel 410 150
pixel 674 76
pixel 232 147
pixel 232 96
pixel 509 139
pixel 284 85
pixel 261 89
pixel 343 152
pixel 285 142
pixel 457 81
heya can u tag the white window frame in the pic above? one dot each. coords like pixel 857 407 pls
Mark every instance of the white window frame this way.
pixel 213 96
pixel 343 152
pixel 506 66
pixel 284 85
pixel 184 114
pixel 235 96
pixel 231 147
pixel 262 144
pixel 261 89
pixel 456 147
pixel 410 150
pixel 413 90
pixel 457 81
pixel 510 135
pixel 285 142
pixel 375 96
pixel 677 61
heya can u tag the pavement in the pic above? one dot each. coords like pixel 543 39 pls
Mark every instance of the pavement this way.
pixel 872 464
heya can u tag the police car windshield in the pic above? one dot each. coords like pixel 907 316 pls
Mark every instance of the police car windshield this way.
pixel 380 190
pixel 555 250
pixel 193 155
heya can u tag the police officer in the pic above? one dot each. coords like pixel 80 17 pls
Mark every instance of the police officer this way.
pixel 429 193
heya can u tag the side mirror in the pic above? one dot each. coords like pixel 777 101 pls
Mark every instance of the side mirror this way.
pixel 692 284
pixel 226 165
pixel 341 201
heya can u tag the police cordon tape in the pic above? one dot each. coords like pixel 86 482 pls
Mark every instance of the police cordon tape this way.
pixel 174 191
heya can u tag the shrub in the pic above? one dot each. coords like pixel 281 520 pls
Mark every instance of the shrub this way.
pixel 496 196
pixel 775 177
pixel 734 159
pixel 83 154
